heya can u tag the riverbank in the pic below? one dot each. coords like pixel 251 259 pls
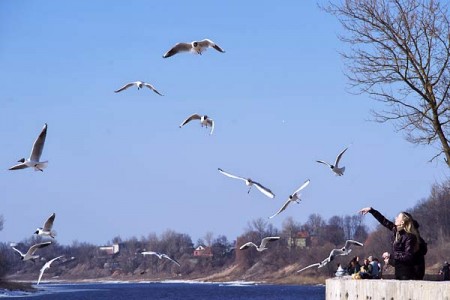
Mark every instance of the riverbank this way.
pixel 234 273
pixel 17 286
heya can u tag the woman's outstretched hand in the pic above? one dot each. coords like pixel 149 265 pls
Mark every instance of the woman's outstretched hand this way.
pixel 365 210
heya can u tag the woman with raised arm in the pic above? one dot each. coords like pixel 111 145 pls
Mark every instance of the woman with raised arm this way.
pixel 405 243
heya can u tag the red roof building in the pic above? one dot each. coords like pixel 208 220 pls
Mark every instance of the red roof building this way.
pixel 203 251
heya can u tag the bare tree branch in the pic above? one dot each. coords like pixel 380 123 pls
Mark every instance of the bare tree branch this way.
pixel 399 55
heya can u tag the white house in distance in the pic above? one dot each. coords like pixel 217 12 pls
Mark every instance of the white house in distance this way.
pixel 110 250
pixel 203 251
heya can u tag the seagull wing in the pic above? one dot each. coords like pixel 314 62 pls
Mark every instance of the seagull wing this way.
pixel 285 205
pixel 38 145
pixel 34 248
pixel 41 273
pixel 305 184
pixel 180 47
pixel 46 266
pixel 264 190
pixel 336 252
pixel 149 253
pixel 230 175
pixel 49 223
pixel 18 251
pixel 124 87
pixel 247 245
pixel 152 88
pixel 323 162
pixel 52 260
pixel 210 123
pixel 350 243
pixel 190 118
pixel 310 266
pixel 171 259
pixel 265 240
pixel 19 166
pixel 209 43
pixel 326 261
pixel 338 158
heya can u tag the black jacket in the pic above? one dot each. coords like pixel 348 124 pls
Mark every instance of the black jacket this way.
pixel 403 254
pixel 419 259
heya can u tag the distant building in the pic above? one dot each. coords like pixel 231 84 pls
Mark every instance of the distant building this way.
pixel 110 250
pixel 300 240
pixel 203 251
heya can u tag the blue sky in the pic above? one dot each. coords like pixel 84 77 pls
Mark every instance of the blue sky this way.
pixel 119 164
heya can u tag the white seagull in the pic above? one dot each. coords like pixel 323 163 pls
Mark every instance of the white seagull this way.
pixel 335 252
pixel 196 47
pixel 250 183
pixel 160 256
pixel 261 247
pixel 294 197
pixel 36 152
pixel 204 121
pixel 335 168
pixel 45 267
pixel 47 228
pixel 140 85
pixel 30 253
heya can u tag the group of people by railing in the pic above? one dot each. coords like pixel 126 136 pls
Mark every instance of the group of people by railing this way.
pixel 407 256
pixel 369 269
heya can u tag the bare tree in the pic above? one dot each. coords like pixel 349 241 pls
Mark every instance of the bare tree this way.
pixel 316 223
pixel 208 238
pixel 399 54
pixel 261 226
pixel 351 226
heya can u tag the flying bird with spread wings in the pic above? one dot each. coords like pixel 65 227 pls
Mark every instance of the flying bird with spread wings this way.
pixel 196 47
pixel 140 85
pixel 294 197
pixel 335 252
pixel 46 230
pixel 204 121
pixel 36 152
pixel 45 267
pixel 335 168
pixel 249 182
pixel 29 255
pixel 263 244
pixel 160 256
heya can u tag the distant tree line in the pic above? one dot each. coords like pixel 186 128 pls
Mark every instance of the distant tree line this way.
pixel 318 235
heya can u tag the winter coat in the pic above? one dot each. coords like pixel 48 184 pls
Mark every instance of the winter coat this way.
pixel 419 259
pixel 403 254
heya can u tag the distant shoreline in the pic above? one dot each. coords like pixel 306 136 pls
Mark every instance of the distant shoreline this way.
pixel 30 285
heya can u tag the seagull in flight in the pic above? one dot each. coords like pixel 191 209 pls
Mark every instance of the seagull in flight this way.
pixel 250 183
pixel 196 47
pixel 335 252
pixel 46 230
pixel 36 152
pixel 30 253
pixel 294 197
pixel 335 168
pixel 261 247
pixel 46 266
pixel 204 121
pixel 160 256
pixel 140 85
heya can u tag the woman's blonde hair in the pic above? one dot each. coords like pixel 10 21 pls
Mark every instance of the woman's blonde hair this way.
pixel 408 226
